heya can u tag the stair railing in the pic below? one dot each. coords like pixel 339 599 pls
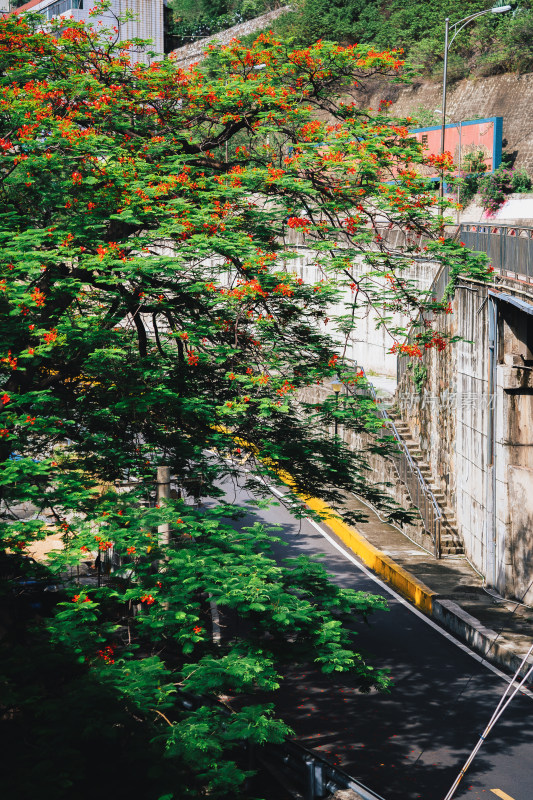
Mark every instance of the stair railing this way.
pixel 421 496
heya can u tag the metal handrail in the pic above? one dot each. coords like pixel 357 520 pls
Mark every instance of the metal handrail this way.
pixel 509 247
pixel 407 469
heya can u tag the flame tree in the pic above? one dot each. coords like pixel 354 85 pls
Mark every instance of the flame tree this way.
pixel 151 315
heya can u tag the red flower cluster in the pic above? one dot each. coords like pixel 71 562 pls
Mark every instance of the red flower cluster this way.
pixel 437 341
pixel 102 545
pixel 38 297
pixel 9 359
pixel 408 349
pixel 148 599
pixel 298 222
pixel 287 387
pixel 284 289
pixel 107 654
pixel 51 336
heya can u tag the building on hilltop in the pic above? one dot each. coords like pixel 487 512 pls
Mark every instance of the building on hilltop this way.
pixel 147 24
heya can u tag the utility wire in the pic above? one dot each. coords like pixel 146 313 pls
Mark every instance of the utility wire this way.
pixel 467 684
pixel 500 708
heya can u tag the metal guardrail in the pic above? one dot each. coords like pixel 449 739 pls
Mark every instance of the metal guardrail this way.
pixel 407 470
pixel 307 775
pixel 303 773
pixel 509 247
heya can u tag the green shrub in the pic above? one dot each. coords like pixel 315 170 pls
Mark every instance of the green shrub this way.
pixel 503 181
pixel 469 187
pixel 521 182
pixel 474 161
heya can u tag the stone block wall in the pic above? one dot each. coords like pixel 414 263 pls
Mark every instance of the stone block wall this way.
pixel 509 96
pixel 191 53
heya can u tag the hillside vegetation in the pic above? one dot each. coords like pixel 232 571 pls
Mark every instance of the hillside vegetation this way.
pixel 492 44
pixel 192 19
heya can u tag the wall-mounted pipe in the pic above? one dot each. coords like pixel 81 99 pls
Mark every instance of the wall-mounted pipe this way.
pixel 491 442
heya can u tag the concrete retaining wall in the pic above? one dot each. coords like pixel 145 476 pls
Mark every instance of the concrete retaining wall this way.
pixel 455 419
pixel 369 344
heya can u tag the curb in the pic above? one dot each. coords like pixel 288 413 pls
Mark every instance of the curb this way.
pixel 446 612
pixel 483 640
pixel 398 577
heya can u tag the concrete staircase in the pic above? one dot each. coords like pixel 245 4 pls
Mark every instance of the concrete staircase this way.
pixel 451 543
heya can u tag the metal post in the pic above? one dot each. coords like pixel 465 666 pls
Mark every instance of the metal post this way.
pixel 320 789
pixel 163 493
pixel 443 126
pixel 438 549
pixel 309 778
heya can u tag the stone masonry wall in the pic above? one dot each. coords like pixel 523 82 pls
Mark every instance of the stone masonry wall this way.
pixel 509 96
pixel 190 53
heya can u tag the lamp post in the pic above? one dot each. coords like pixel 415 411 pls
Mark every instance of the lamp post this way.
pixel 336 386
pixel 459 126
pixel 454 28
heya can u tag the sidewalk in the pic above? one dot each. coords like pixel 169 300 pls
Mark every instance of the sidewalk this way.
pixel 449 590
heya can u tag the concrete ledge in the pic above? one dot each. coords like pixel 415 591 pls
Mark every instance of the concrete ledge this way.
pixel 481 639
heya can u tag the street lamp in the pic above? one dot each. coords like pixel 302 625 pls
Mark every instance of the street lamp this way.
pixel 459 126
pixel 455 28
pixel 336 386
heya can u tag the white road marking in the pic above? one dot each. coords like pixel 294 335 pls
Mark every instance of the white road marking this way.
pixel 408 605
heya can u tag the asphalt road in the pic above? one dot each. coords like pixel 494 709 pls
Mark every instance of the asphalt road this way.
pixel 411 743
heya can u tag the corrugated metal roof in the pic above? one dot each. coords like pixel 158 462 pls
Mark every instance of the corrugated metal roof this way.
pixel 31 4
pixel 512 300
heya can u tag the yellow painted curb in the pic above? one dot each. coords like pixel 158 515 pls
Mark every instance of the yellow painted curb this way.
pixel 398 577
